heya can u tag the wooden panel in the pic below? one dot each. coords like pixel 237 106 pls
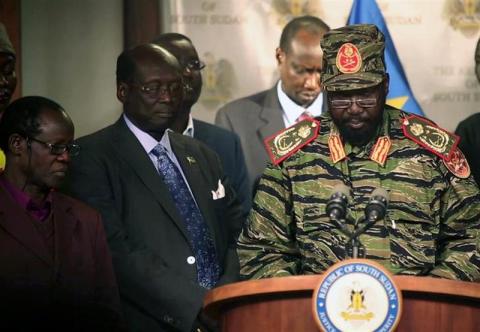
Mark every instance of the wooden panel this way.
pixel 10 17
pixel 141 21
pixel 285 304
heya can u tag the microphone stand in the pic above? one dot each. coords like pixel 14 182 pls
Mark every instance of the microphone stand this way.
pixel 352 237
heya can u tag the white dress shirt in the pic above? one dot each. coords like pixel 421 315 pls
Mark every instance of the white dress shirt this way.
pixel 291 110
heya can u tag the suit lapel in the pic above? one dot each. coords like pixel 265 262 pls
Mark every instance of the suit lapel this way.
pixel 65 221
pixel 15 221
pixel 271 120
pixel 129 149
pixel 193 173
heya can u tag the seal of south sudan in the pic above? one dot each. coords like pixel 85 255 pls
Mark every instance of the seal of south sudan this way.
pixel 357 295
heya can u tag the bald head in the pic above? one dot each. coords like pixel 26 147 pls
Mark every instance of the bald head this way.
pixel 128 60
pixel 150 87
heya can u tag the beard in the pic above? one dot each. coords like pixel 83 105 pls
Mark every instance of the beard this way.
pixel 359 137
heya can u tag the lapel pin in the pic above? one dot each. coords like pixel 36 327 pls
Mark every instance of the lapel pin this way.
pixel 191 160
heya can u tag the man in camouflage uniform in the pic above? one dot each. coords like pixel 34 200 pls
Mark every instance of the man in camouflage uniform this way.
pixel 432 224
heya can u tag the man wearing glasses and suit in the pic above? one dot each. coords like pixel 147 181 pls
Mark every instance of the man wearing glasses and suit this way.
pixel 170 214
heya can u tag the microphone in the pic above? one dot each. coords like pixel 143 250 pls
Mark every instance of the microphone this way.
pixel 375 210
pixel 337 205
pixel 377 206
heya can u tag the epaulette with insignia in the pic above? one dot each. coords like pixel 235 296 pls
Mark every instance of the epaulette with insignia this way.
pixel 431 137
pixel 288 141
pixel 458 164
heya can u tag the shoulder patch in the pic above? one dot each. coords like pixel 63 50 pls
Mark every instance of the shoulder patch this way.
pixel 458 164
pixel 431 137
pixel 288 141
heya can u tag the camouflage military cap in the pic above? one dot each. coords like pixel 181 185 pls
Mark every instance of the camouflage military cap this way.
pixel 5 44
pixel 353 58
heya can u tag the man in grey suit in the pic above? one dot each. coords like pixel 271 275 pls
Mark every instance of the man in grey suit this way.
pixel 257 117
pixel 225 143
pixel 170 214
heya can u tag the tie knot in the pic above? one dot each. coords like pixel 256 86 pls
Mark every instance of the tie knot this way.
pixel 305 115
pixel 158 150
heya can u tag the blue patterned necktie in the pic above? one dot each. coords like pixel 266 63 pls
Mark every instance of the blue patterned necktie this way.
pixel 200 239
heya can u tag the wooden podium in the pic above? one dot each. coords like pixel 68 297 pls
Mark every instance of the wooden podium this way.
pixel 285 304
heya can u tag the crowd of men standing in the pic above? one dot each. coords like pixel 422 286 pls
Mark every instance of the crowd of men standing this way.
pixel 167 207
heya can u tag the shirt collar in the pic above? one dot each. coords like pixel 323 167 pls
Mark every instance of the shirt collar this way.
pixel 37 211
pixel 147 141
pixel 291 110
pixel 189 131
pixel 360 151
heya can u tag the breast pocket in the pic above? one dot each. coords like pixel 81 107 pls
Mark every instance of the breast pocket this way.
pixel 412 239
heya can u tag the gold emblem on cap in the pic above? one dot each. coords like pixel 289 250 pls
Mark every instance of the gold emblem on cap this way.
pixel 349 60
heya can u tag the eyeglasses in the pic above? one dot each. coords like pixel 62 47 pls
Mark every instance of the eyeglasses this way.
pixel 347 103
pixel 155 88
pixel 58 149
pixel 195 65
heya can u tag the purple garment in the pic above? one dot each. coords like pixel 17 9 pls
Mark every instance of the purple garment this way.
pixel 37 212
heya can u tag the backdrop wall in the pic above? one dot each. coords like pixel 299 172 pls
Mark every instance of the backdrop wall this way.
pixel 70 48
pixel 435 40
pixel 69 51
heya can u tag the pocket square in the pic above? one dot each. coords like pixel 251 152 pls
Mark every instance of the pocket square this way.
pixel 220 192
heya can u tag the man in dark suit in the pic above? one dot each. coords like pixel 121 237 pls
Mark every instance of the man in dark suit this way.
pixel 56 271
pixel 167 250
pixel 225 143
pixel 297 94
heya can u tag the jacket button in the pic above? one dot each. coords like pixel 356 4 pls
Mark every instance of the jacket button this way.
pixel 191 260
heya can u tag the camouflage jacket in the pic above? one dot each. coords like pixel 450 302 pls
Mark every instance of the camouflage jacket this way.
pixel 432 225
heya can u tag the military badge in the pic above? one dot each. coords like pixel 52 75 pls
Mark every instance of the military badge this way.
pixel 191 160
pixel 458 164
pixel 348 59
pixel 357 295
pixel 427 134
pixel 285 143
pixel 380 150
pixel 335 146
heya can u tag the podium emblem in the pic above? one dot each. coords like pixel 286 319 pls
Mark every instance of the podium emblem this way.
pixel 357 295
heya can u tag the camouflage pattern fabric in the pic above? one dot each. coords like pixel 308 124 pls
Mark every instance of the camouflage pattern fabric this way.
pixel 432 226
pixel 353 58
